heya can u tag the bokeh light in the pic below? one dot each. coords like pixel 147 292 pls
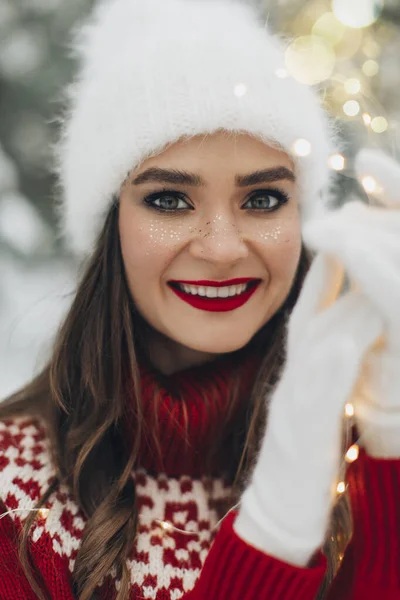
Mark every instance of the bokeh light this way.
pixel 20 223
pixel 329 27
pixel 349 410
pixel 370 68
pixel 23 52
pixel 351 108
pixel 371 48
pixel 369 184
pixel 357 13
pixel 367 118
pixel 350 44
pixel 352 453
pixel 352 86
pixel 337 162
pixel 379 124
pixel 301 147
pixel 310 59
pixel 240 89
pixel 341 487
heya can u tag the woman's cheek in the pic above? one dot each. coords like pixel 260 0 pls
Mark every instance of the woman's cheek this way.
pixel 280 244
pixel 151 246
pixel 279 233
pixel 157 237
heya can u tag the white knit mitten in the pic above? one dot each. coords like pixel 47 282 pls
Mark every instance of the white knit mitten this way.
pixel 378 405
pixel 366 241
pixel 286 508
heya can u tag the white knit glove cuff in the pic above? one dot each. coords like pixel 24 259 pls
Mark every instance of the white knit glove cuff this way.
pixel 379 431
pixel 377 412
pixel 263 532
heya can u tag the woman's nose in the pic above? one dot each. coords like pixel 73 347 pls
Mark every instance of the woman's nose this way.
pixel 219 241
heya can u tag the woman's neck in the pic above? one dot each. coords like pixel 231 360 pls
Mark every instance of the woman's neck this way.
pixel 169 357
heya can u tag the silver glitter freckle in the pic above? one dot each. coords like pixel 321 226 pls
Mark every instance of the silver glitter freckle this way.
pixel 273 234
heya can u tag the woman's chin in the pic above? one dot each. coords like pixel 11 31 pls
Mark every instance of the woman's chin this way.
pixel 216 346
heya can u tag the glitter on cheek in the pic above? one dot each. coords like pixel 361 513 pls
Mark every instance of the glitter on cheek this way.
pixel 273 234
pixel 160 236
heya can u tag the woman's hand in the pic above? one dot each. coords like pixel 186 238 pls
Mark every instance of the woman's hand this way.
pixel 286 508
pixel 366 241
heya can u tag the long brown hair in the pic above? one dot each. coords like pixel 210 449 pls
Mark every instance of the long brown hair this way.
pixel 80 395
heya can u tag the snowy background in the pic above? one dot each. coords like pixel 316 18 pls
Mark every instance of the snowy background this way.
pixel 349 48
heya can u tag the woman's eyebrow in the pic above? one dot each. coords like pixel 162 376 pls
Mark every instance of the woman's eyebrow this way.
pixel 158 175
pixel 177 177
pixel 265 176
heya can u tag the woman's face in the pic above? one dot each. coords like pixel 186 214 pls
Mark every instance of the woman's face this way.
pixel 210 209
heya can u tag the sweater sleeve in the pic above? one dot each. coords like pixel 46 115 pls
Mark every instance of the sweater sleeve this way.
pixel 235 570
pixel 13 583
pixel 370 567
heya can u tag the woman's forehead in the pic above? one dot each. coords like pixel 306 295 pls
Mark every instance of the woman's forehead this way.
pixel 239 153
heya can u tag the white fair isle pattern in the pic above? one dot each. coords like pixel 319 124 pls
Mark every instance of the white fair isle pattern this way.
pixel 162 561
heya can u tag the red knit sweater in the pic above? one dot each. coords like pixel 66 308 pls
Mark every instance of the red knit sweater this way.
pixel 205 565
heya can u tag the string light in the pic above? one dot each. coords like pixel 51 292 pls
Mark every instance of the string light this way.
pixel 301 147
pixel 369 184
pixel 341 487
pixel 352 453
pixel 337 162
pixel 351 108
pixel 367 119
pixel 166 526
pixel 43 512
pixel 349 410
pixel 169 527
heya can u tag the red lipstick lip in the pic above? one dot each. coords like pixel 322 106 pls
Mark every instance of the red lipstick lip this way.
pixel 208 283
pixel 217 304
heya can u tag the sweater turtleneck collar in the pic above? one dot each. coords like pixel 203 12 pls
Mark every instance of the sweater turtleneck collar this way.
pixel 197 410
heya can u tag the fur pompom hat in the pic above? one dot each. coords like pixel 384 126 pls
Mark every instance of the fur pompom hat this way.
pixel 154 71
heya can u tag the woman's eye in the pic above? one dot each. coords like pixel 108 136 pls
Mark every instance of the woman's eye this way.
pixel 167 202
pixel 267 200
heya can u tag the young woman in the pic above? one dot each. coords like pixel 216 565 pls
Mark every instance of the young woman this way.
pixel 186 437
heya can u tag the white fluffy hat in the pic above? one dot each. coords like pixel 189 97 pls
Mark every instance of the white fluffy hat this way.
pixel 153 71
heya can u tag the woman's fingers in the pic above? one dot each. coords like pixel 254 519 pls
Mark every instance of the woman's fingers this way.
pixel 324 364
pixel 353 219
pixel 307 407
pixel 320 289
pixel 370 256
pixel 335 345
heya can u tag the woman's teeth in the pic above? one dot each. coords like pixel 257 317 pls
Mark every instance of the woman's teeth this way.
pixel 214 292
